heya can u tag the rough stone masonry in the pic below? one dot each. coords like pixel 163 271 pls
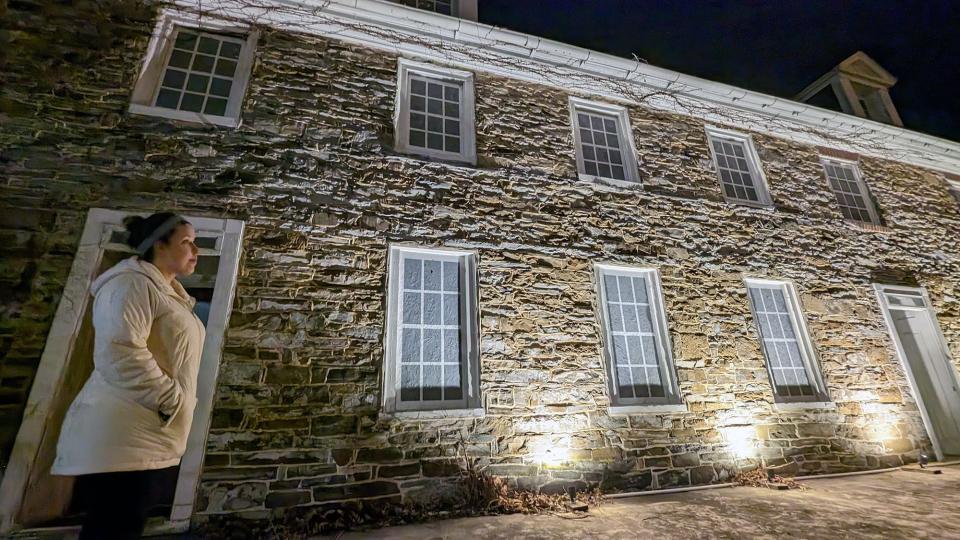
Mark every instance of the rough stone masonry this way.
pixel 312 170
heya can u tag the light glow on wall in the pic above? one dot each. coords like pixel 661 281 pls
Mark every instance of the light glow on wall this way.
pixel 551 450
pixel 741 440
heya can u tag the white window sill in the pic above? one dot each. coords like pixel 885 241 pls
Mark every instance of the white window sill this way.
pixel 609 181
pixel 871 227
pixel 802 405
pixel 463 159
pixel 184 116
pixel 751 204
pixel 429 415
pixel 621 410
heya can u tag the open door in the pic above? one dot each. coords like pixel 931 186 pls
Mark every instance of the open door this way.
pixel 29 496
pixel 926 360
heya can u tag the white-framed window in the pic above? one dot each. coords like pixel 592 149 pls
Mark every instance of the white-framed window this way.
pixel 851 192
pixel 604 141
pixel 636 342
pixel 195 70
pixel 432 353
pixel 738 167
pixel 790 357
pixel 466 9
pixel 435 112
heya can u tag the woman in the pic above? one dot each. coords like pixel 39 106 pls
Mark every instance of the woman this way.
pixel 128 425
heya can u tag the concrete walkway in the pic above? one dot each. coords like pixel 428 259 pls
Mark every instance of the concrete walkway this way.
pixel 899 504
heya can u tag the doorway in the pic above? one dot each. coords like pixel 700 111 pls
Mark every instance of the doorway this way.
pixel 30 498
pixel 926 359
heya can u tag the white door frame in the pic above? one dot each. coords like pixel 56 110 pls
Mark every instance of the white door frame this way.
pixel 882 290
pixel 96 238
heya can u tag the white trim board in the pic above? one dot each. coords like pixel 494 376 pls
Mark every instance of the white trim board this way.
pixel 60 342
pixel 467 44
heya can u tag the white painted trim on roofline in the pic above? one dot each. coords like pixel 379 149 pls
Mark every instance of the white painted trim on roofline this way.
pixel 409 31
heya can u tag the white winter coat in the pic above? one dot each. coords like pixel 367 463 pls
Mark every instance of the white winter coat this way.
pixel 147 345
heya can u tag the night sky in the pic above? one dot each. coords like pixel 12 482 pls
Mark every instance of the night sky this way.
pixel 774 47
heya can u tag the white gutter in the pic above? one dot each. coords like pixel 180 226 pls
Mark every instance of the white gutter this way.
pixel 842 474
pixel 414 32
pixel 730 484
pixel 666 491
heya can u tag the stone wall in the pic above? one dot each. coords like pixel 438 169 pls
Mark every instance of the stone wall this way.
pixel 313 173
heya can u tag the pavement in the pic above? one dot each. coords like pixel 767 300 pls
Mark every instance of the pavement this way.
pixel 889 505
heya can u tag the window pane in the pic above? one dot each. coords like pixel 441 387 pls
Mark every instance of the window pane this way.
pixel 411 308
pixel 451 382
pixel 168 98
pixel 180 59
pixel 230 50
pixel 431 308
pixel 198 83
pixel 411 273
pixel 185 40
pixel 851 197
pixel 432 345
pixel 202 62
pixel 736 178
pixel 636 359
pixel 226 68
pixel 431 275
pixel 410 346
pixel 174 78
pixel 451 346
pixel 432 382
pixel 430 335
pixel 600 147
pixel 417 138
pixel 451 144
pixel 220 87
pixel 215 106
pixel 208 45
pixel 781 348
pixel 451 276
pixel 410 383
pixel 418 87
pixel 418 121
pixel 191 102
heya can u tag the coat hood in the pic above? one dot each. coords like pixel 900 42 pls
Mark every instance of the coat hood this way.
pixel 135 265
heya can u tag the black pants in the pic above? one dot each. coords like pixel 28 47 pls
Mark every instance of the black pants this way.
pixel 119 502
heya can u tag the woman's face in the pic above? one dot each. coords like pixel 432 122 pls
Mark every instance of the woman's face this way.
pixel 179 254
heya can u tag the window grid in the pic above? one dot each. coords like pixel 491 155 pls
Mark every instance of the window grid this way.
pixel 848 191
pixel 600 147
pixel 435 114
pixel 632 332
pixel 199 73
pixel 736 178
pixel 780 341
pixel 444 7
pixel 430 331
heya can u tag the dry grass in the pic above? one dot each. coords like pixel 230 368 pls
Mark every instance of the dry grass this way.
pixel 759 478
pixel 492 495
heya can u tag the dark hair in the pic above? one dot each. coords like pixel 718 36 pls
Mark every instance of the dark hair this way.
pixel 140 228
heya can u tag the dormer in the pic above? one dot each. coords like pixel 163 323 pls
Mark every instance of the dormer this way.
pixel 462 9
pixel 857 86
